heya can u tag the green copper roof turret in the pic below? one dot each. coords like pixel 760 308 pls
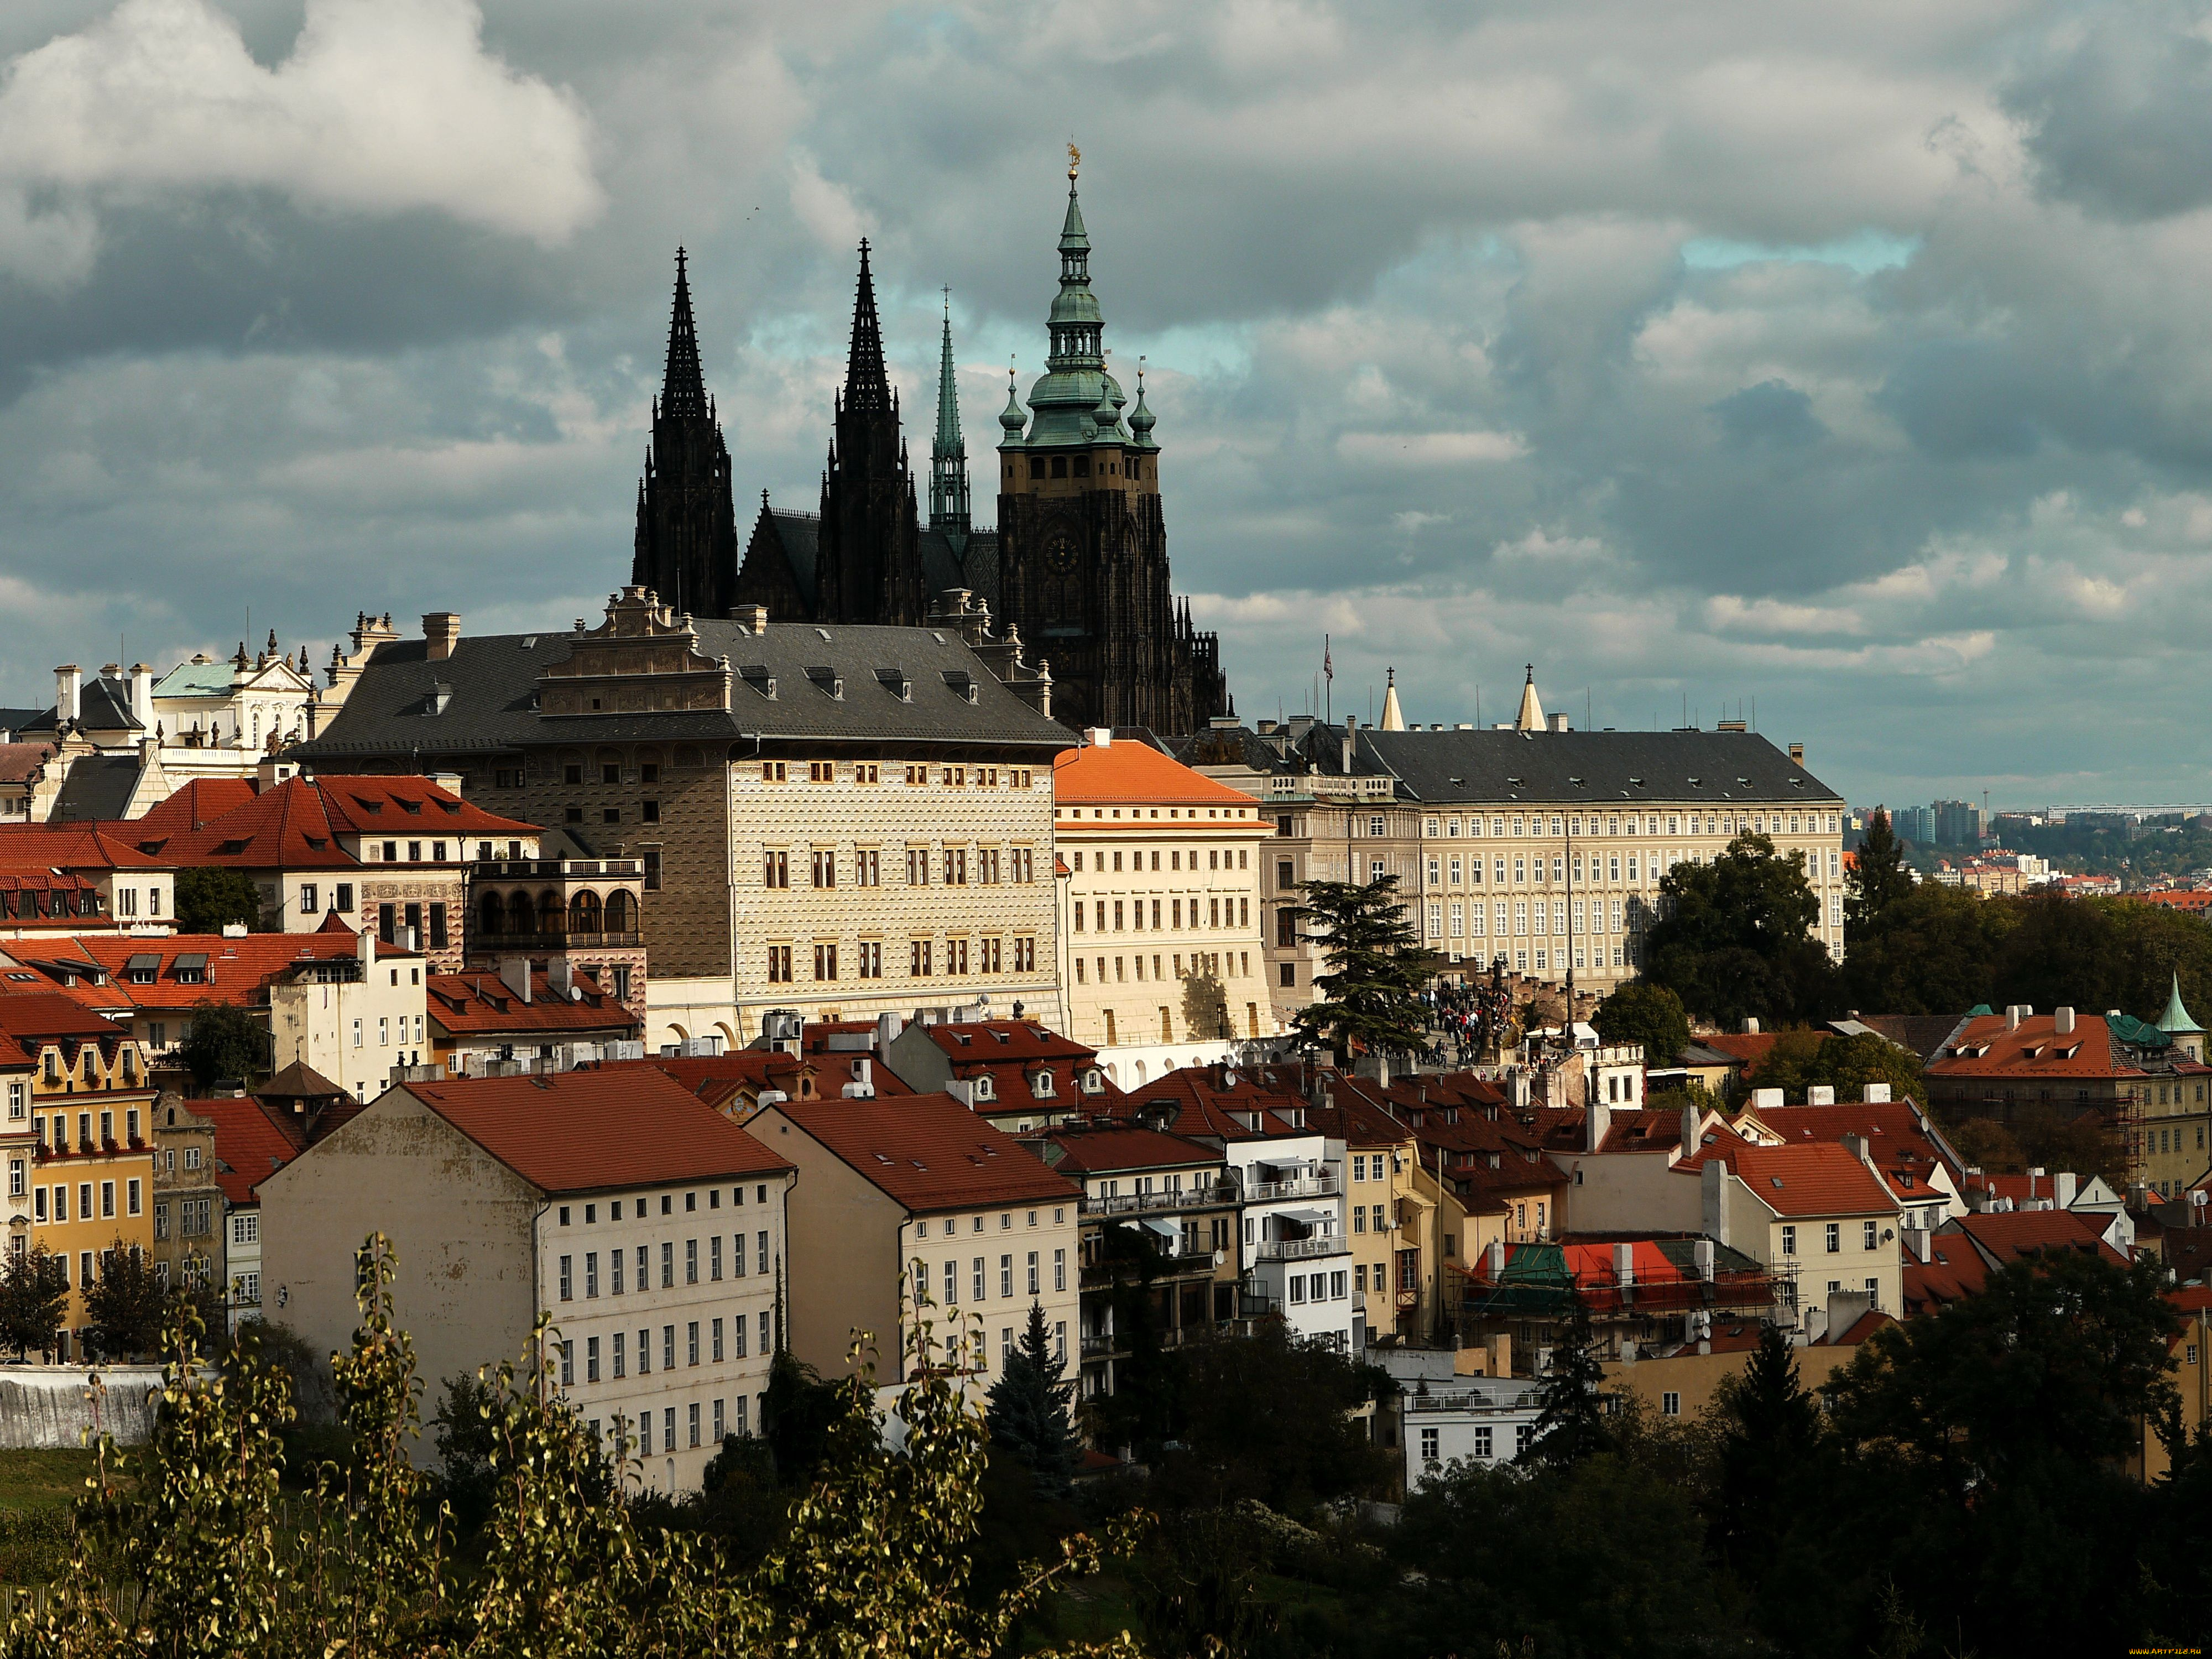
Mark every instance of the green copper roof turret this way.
pixel 1011 418
pixel 2175 1021
pixel 1141 417
pixel 1076 399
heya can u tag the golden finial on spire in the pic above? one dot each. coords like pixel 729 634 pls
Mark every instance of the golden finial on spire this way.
pixel 1074 159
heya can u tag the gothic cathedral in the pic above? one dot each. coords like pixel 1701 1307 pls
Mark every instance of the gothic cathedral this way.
pixel 1078 566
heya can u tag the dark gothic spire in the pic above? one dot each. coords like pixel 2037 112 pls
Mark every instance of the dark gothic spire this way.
pixel 683 390
pixel 948 454
pixel 866 386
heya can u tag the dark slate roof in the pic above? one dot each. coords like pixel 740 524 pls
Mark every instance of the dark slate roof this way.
pixel 1612 767
pixel 18 720
pixel 493 678
pixel 97 787
pixel 800 534
pixel 954 560
pixel 102 705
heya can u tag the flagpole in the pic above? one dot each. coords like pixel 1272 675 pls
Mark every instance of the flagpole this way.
pixel 1328 677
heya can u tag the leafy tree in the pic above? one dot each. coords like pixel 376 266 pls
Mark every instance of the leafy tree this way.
pixel 1770 1430
pixel 1641 1012
pixel 1685 1094
pixel 1028 1410
pixel 210 899
pixel 34 1297
pixel 1986 1144
pixel 1733 938
pixel 1802 1059
pixel 466 1446
pixel 1877 879
pixel 1267 1416
pixel 2086 1142
pixel 1371 998
pixel 1570 1426
pixel 125 1303
pixel 1933 952
pixel 225 1041
pixel 797 1417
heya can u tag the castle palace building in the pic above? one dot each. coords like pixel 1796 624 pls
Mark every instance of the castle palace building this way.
pixel 1076 571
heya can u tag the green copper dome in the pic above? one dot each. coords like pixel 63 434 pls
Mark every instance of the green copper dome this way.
pixel 2175 1021
pixel 1011 417
pixel 1076 402
pixel 1141 417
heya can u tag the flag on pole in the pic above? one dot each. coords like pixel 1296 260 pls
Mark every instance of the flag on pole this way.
pixel 1327 668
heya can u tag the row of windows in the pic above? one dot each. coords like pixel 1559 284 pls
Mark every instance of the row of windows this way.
pixel 1638 823
pixel 1320 1287
pixel 926 958
pixel 195 1218
pixel 1486 1441
pixel 1216 859
pixel 976 1223
pixel 914 776
pixel 1832 1236
pixel 1553 916
pixel 621 1357
pixel 733 1423
pixel 980 1277
pixel 1232 912
pixel 992 866
pixel 85 1121
pixel 1203 964
pixel 643 1279
pixel 133 1193
pixel 640 1206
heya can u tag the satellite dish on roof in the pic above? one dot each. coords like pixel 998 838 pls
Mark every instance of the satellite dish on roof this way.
pixel 575 994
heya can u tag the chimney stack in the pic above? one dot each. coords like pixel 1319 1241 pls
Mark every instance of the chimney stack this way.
pixel 514 974
pixel 1751 1025
pixel 1797 753
pixel 2064 1187
pixel 2062 1022
pixel 142 695
pixel 441 632
pixel 66 681
pixel 1624 1265
pixel 752 617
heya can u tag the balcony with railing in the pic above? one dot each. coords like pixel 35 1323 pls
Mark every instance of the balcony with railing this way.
pixel 1302 1249
pixel 1317 1186
pixel 1502 1400
pixel 1195 1198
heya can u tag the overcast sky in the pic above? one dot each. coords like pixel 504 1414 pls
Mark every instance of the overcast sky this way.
pixel 1854 362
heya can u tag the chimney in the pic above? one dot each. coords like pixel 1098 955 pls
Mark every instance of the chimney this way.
pixel 1558 722
pixel 1624 1265
pixel 2062 1021
pixel 365 948
pixel 888 1026
pixel 1690 1123
pixel 2013 1012
pixel 752 617
pixel 1875 1094
pixel 1821 1094
pixel 66 681
pixel 1751 1025
pixel 1597 1124
pixel 514 974
pixel 561 974
pixel 1918 1241
pixel 1099 737
pixel 142 695
pixel 2065 1186
pixel 441 632
pixel 1701 1255
pixel 1797 754
pixel 1765 1100
pixel 1351 740
pixel 1856 1146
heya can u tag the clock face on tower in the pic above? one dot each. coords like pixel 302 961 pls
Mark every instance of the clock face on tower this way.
pixel 1059 552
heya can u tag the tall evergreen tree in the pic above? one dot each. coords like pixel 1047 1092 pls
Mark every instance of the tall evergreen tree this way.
pixel 1770 1432
pixel 1377 967
pixel 1878 877
pixel 1028 1410
pixel 33 1296
pixel 1571 1425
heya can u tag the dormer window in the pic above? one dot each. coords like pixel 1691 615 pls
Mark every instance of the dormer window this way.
pixel 1093 1082
pixel 984 1089
pixel 1041 1086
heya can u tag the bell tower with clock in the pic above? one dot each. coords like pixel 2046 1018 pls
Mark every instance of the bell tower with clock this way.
pixel 1083 559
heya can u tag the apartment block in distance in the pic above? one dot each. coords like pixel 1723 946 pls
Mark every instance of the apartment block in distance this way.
pixel 648 1225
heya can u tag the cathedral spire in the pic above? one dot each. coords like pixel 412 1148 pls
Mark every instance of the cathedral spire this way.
pixel 866 386
pixel 684 389
pixel 948 454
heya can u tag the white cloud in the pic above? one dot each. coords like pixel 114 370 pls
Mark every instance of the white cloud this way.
pixel 382 106
pixel 1429 448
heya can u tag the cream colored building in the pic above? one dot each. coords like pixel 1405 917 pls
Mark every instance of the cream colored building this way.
pixel 845 821
pixel 1164 965
pixel 658 1250
pixel 1526 841
pixel 915 1195
pixel 1818 1215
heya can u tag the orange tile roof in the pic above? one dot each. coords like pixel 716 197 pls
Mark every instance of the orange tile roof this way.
pixel 249 1145
pixel 297 825
pixel 1896 1136
pixel 1860 1328
pixel 1118 773
pixel 1820 1180
pixel 74 846
pixel 2011 1235
pixel 2035 1049
pixel 475 1005
pixel 596 1128
pixel 193 806
pixel 238 969
pixel 29 1016
pixel 928 1152
pixel 1751 1048
pixel 19 761
pixel 1953 1271
pixel 1104 1149
pixel 715 1078
pixel 1197 1104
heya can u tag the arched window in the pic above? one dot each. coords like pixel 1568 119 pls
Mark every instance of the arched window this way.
pixel 491 913
pixel 549 911
pixel 622 912
pixel 521 917
pixel 584 913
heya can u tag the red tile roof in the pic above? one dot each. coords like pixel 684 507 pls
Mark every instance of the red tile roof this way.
pixel 1896 1135
pixel 2010 1235
pixel 928 1152
pixel 28 1016
pixel 1818 1180
pixel 994 1041
pixel 1953 1271
pixel 597 1127
pixel 249 1145
pixel 20 761
pixel 1192 1101
pixel 715 1078
pixel 238 971
pixel 1749 1049
pixel 480 1005
pixel 297 825
pixel 1101 1149
pixel 1859 1330
pixel 198 804
pixel 74 846
pixel 1985 1049
pixel 1107 774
